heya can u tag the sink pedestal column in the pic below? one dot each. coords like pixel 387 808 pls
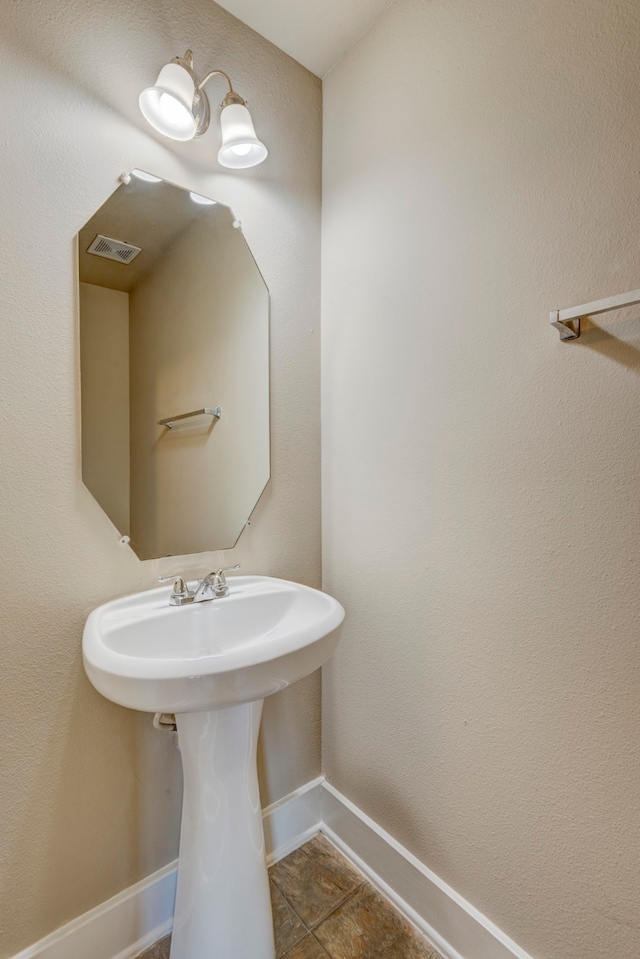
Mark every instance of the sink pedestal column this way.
pixel 223 906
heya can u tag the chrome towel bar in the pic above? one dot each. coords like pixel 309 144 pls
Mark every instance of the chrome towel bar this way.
pixel 567 322
pixel 210 410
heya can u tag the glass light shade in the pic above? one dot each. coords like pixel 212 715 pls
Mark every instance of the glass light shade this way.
pixel 168 106
pixel 147 177
pixel 240 145
pixel 203 200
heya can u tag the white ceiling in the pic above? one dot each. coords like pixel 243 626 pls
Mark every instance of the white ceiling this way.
pixel 316 33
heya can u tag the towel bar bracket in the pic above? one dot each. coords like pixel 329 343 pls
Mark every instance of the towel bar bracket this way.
pixel 568 329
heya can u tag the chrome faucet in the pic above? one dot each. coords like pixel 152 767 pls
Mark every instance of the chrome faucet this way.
pixel 212 586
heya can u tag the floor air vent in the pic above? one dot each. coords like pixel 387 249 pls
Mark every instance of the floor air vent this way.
pixel 113 249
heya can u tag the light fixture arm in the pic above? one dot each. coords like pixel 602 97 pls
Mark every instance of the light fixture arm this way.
pixel 232 96
pixel 216 73
pixel 201 100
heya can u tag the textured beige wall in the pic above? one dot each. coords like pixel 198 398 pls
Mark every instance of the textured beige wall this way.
pixel 89 793
pixel 481 479
pixel 199 337
pixel 104 388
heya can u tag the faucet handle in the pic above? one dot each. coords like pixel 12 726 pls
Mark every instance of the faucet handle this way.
pixel 219 577
pixel 181 593
pixel 217 582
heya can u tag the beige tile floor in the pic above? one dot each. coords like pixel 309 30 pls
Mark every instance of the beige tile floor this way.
pixel 323 908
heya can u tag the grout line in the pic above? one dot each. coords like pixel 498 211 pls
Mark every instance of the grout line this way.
pixel 291 906
pixel 384 893
pixel 331 911
pixel 349 894
pixel 337 906
pixel 367 882
pixel 309 935
pixel 320 946
pixel 305 932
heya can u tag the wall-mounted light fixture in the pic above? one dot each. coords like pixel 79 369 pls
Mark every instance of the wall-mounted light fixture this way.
pixel 178 107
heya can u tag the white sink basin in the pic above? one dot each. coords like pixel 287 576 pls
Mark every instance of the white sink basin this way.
pixel 212 664
pixel 267 633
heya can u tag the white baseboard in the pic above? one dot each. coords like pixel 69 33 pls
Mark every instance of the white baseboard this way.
pixel 456 928
pixel 289 822
pixel 119 928
pixel 125 925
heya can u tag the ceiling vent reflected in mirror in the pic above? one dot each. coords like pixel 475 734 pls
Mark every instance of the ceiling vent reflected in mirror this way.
pixel 169 340
pixel 112 249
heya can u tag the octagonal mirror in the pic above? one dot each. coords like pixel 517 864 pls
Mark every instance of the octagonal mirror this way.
pixel 174 351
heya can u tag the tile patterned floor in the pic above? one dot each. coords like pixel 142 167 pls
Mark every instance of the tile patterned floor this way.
pixel 323 908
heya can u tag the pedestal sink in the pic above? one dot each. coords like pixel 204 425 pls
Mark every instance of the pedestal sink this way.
pixel 212 664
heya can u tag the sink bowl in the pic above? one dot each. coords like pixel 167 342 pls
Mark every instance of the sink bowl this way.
pixel 213 664
pixel 266 634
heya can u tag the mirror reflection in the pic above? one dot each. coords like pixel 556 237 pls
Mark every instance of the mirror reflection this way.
pixel 174 320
